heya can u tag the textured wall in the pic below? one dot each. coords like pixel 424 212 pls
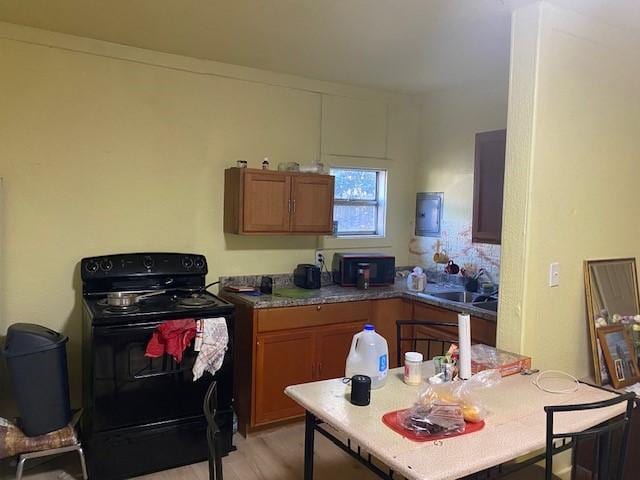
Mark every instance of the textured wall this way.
pixel 450 120
pixel 571 179
pixel 106 148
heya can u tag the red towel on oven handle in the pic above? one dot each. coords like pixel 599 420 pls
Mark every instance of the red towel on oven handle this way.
pixel 172 338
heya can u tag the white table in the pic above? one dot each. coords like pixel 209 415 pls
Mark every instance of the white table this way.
pixel 514 427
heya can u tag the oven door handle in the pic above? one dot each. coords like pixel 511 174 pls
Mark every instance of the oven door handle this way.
pixel 126 328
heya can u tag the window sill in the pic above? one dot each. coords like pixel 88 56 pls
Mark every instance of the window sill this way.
pixel 355 237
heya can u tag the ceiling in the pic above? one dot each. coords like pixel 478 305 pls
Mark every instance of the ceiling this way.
pixel 403 45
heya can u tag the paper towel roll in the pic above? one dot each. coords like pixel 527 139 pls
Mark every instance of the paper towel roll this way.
pixel 464 344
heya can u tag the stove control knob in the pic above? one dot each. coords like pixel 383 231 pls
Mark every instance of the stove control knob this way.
pixel 199 263
pixel 106 265
pixel 91 266
pixel 147 262
pixel 187 262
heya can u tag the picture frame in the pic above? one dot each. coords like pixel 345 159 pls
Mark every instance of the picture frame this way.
pixel 619 354
pixel 611 288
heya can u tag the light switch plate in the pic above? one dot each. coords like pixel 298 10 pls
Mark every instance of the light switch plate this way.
pixel 554 274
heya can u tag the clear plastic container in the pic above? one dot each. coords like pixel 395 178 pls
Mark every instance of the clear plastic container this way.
pixel 413 368
pixel 369 355
pixel 417 280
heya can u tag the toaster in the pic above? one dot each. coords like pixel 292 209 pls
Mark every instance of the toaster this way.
pixel 306 275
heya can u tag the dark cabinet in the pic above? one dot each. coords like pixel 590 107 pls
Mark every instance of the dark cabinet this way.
pixel 488 185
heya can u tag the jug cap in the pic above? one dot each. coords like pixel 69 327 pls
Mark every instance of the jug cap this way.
pixel 368 326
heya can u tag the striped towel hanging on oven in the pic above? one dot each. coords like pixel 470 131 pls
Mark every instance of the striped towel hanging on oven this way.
pixel 212 339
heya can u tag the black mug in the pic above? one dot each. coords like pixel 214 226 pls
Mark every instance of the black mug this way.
pixel 266 285
pixel 360 390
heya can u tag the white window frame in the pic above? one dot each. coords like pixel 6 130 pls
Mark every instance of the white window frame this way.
pixel 380 203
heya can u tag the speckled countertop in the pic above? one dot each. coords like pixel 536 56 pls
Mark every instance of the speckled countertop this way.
pixel 336 294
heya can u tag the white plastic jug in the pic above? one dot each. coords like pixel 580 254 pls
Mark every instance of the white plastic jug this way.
pixel 369 355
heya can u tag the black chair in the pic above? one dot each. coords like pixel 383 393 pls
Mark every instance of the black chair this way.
pixel 429 338
pixel 608 443
pixel 213 433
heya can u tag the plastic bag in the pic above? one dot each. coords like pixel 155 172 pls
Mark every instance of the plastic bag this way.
pixel 462 393
pixel 437 418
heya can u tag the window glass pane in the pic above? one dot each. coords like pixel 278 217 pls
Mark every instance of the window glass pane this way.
pixel 355 184
pixel 355 219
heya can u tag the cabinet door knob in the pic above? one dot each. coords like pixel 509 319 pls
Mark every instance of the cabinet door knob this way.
pixel 318 307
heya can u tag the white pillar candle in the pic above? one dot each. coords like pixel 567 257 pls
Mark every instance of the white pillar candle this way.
pixel 464 344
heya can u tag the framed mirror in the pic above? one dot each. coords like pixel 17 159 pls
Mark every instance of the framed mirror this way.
pixel 611 288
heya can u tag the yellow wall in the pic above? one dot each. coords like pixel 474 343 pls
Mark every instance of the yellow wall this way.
pixel 571 180
pixel 106 148
pixel 451 118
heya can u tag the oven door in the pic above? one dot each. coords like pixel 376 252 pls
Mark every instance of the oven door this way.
pixel 130 389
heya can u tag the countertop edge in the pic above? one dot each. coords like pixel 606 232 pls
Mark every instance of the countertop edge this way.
pixel 371 294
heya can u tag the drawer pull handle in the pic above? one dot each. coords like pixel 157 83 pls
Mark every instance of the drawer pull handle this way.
pixel 318 307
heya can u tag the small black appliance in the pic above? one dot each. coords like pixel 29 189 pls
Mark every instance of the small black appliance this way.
pixel 382 268
pixel 306 275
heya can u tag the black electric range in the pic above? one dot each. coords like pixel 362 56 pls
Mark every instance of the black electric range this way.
pixel 145 414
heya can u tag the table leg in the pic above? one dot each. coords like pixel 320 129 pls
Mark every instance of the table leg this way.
pixel 309 437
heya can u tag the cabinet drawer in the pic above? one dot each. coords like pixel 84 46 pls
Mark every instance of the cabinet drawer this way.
pixel 273 319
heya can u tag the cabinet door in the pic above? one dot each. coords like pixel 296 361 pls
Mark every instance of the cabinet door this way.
pixel 282 359
pixel 354 127
pixel 332 347
pixel 312 203
pixel 384 314
pixel 488 184
pixel 266 202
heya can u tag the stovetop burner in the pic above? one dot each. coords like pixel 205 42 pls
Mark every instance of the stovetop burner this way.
pixel 196 301
pixel 171 303
pixel 115 310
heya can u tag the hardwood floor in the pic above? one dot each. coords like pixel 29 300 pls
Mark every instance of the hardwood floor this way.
pixel 275 454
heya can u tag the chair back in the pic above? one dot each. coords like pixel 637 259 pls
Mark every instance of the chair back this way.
pixel 424 336
pixel 610 440
pixel 209 408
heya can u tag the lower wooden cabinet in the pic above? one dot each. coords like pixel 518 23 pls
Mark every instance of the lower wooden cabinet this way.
pixel 282 359
pixel 332 347
pixel 299 356
pixel 482 331
pixel 278 347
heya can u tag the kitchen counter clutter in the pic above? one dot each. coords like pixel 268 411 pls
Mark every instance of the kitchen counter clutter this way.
pixel 513 427
pixel 337 294
pixel 281 341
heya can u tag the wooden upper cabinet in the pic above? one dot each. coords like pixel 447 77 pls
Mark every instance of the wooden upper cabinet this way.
pixel 263 202
pixel 266 202
pixel 354 127
pixel 488 185
pixel 312 203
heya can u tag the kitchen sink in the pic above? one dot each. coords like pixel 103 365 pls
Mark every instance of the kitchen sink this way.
pixel 491 305
pixel 460 297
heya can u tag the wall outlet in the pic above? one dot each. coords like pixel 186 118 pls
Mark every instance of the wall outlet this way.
pixel 319 258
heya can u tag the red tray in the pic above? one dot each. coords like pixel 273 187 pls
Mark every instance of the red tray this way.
pixel 391 420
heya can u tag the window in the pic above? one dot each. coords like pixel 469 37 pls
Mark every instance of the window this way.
pixel 360 201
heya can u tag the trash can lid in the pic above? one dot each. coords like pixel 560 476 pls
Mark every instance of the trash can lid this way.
pixel 28 338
